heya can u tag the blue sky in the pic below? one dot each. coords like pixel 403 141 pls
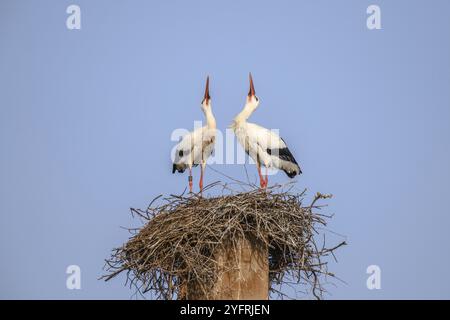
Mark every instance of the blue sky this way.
pixel 86 118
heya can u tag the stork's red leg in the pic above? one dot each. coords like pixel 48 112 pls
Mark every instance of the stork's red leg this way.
pixel 261 179
pixel 190 180
pixel 200 184
pixel 266 182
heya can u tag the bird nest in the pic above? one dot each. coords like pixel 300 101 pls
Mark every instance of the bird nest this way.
pixel 181 234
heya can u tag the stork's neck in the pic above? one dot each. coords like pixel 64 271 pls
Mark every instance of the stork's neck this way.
pixel 210 120
pixel 244 114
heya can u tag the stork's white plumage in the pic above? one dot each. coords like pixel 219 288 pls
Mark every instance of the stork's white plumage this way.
pixel 197 146
pixel 264 146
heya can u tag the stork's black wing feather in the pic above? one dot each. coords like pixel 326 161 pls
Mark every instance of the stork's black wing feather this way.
pixel 283 153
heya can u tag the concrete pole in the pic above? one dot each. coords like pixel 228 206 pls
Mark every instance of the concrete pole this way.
pixel 243 274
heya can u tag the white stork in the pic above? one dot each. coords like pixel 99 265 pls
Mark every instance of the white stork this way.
pixel 264 146
pixel 196 146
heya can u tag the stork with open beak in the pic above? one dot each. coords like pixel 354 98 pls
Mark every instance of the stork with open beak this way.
pixel 264 146
pixel 197 146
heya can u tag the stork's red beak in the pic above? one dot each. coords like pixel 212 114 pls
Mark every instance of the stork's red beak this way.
pixel 207 97
pixel 251 92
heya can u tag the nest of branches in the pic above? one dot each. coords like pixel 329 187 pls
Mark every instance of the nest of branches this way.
pixel 176 245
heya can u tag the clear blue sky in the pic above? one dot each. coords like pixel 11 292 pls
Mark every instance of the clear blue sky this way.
pixel 86 117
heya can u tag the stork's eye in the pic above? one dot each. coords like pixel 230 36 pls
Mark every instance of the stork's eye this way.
pixel 256 98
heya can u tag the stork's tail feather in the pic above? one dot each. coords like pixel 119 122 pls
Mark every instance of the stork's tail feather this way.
pixel 292 174
pixel 177 167
pixel 288 163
